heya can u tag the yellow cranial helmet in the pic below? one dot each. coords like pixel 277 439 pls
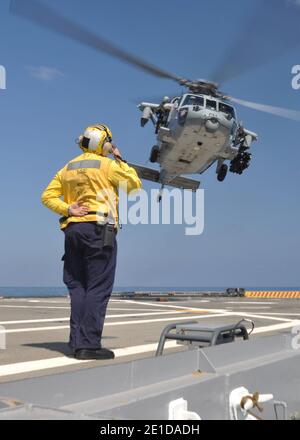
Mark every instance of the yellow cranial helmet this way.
pixel 94 139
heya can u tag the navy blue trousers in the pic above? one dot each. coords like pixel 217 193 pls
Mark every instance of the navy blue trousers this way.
pixel 89 273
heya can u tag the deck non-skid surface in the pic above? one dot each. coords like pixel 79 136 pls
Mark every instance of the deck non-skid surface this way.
pixel 36 330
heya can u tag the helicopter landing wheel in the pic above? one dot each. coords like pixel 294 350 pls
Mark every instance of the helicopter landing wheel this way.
pixel 222 173
pixel 154 154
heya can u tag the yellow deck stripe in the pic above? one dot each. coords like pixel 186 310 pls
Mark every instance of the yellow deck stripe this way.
pixel 272 294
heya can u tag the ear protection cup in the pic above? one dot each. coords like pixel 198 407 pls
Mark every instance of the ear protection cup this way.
pixel 85 142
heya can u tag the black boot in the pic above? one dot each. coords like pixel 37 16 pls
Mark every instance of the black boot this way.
pixel 101 353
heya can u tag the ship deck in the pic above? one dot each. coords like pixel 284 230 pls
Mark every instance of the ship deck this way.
pixel 36 330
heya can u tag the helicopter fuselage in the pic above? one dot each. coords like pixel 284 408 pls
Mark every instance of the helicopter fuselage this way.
pixel 193 132
pixel 196 136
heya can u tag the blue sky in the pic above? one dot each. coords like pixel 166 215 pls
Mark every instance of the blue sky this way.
pixel 251 235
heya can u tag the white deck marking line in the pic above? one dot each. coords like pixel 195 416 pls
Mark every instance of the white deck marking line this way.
pixel 131 309
pixel 263 316
pixel 68 307
pixel 62 361
pixel 192 316
pixel 65 307
pixel 262 302
pixel 173 306
pixel 125 315
pixel 33 307
pixel 280 313
pixel 271 328
pixel 108 324
pixel 26 300
pixel 48 302
pixel 61 300
pixel 253 307
pixel 32 321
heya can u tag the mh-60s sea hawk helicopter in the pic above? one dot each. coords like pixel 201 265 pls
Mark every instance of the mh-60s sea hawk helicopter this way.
pixel 194 131
pixel 200 127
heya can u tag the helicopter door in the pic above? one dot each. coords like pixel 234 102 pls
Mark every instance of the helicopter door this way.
pixel 175 107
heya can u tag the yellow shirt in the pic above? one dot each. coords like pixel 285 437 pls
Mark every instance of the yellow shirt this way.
pixel 93 180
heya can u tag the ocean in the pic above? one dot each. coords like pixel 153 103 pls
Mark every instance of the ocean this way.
pixel 40 292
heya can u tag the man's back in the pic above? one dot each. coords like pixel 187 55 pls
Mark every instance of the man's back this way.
pixel 91 180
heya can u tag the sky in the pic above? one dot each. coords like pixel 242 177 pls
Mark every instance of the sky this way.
pixel 56 87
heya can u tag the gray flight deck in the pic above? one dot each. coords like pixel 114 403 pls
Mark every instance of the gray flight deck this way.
pixel 36 366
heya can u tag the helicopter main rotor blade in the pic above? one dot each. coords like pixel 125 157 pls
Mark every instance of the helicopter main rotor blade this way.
pixel 47 17
pixel 278 111
pixel 271 31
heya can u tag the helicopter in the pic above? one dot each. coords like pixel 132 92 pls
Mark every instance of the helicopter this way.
pixel 194 131
pixel 200 127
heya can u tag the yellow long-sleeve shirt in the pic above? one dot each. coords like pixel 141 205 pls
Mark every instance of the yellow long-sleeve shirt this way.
pixel 93 180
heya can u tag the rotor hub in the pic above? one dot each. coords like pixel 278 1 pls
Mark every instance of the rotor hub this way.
pixel 200 86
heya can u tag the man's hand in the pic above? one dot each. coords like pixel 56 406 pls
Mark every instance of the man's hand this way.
pixel 115 152
pixel 77 209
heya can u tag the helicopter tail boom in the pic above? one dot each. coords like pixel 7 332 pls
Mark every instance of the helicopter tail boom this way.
pixel 155 176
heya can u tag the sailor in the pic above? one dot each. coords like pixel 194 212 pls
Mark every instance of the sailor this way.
pixel 85 193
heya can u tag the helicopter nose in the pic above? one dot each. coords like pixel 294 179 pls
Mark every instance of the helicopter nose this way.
pixel 212 125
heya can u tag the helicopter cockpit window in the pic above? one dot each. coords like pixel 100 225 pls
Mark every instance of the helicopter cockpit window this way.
pixel 193 100
pixel 211 105
pixel 224 108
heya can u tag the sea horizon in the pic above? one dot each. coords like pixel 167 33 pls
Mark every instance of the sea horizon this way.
pixel 61 291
